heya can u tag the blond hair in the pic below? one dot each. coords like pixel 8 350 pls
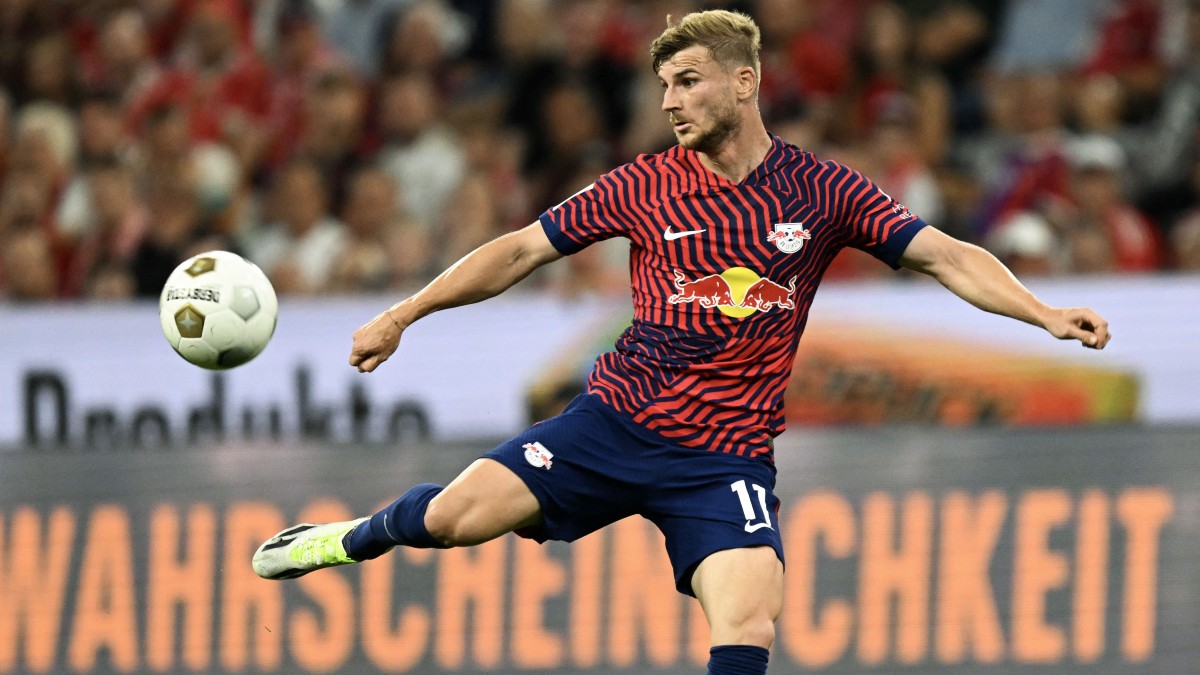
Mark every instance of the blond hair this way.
pixel 732 38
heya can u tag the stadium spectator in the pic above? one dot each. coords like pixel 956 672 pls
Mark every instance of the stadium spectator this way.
pixel 1163 149
pixel 1105 232
pixel 298 56
pixel 962 194
pixel 496 152
pixel 1127 50
pixel 218 84
pixel 122 61
pixel 383 249
pixel 580 59
pixel 472 217
pixel 102 140
pixel 1024 158
pixel 1046 35
pixel 573 135
pixel 334 132
pixel 102 131
pixel 119 222
pixel 298 248
pixel 355 28
pixel 1185 240
pixel 175 231
pixel 423 38
pixel 802 67
pixel 423 155
pixel 164 147
pixel 27 266
pixel 887 78
pixel 46 142
pixel 1027 245
pixel 25 24
pixel 50 71
pixel 901 167
pixel 1099 104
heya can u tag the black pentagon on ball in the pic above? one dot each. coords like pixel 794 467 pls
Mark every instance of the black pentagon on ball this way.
pixel 235 357
pixel 189 321
pixel 201 265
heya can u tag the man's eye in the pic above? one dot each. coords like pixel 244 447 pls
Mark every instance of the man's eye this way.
pixel 689 82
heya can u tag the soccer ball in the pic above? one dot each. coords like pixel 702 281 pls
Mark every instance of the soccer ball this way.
pixel 218 310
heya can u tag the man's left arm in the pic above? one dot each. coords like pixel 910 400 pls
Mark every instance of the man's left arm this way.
pixel 978 277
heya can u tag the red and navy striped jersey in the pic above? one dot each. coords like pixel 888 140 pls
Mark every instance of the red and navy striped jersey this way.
pixel 723 275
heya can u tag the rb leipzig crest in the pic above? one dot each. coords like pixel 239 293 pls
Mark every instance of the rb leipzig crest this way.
pixel 789 237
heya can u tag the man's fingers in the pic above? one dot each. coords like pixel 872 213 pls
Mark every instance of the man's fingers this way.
pixel 1100 327
pixel 1094 328
pixel 1084 335
pixel 370 364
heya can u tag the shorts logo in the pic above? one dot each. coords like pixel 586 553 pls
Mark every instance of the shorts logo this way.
pixel 737 292
pixel 537 455
pixel 789 237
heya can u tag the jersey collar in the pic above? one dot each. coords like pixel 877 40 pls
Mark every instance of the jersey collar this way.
pixel 770 162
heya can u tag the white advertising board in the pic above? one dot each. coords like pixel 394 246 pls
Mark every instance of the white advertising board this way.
pixel 1154 321
pixel 102 374
pixel 106 374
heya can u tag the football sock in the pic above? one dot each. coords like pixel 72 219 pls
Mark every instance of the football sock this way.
pixel 737 660
pixel 400 524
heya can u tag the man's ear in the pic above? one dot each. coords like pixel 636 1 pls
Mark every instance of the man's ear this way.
pixel 747 82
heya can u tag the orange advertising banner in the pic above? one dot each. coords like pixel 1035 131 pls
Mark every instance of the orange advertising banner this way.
pixel 963 551
pixel 868 374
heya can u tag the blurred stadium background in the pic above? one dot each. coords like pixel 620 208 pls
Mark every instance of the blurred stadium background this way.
pixel 961 493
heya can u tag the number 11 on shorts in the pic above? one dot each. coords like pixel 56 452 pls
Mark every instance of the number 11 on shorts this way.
pixel 748 507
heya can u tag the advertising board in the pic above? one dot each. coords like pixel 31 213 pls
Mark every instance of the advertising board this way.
pixel 931 551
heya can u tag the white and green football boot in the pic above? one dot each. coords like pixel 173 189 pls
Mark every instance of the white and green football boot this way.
pixel 303 548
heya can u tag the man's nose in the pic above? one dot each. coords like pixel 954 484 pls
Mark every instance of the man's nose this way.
pixel 670 101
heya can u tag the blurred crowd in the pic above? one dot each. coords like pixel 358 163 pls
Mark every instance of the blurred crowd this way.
pixel 363 145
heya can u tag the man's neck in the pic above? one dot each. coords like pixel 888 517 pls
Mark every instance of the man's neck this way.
pixel 740 154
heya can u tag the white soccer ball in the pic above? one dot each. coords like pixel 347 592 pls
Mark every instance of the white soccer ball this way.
pixel 218 310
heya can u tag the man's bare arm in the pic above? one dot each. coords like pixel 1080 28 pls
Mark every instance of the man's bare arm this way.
pixel 484 273
pixel 978 277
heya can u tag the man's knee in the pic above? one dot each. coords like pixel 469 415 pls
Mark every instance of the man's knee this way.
pixel 756 628
pixel 444 520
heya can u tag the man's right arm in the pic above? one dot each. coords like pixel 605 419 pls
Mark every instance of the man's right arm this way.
pixel 484 273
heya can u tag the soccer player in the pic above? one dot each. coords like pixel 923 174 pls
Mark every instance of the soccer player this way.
pixel 731 230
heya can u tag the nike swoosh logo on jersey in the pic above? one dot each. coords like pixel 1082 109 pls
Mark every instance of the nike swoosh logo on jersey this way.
pixel 670 235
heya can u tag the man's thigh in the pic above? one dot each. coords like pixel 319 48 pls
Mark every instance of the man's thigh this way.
pixel 581 466
pixel 485 501
pixel 741 591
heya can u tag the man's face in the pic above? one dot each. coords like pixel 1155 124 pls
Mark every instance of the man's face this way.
pixel 700 97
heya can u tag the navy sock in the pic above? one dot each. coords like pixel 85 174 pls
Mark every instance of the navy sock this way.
pixel 400 524
pixel 737 660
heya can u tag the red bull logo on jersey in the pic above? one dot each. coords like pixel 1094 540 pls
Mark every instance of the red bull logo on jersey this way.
pixel 789 237
pixel 737 292
pixel 537 455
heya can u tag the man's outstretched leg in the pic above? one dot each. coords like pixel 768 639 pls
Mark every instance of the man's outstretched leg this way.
pixel 741 591
pixel 482 503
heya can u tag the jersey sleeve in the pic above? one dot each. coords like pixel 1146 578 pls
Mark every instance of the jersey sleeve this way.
pixel 874 221
pixel 593 214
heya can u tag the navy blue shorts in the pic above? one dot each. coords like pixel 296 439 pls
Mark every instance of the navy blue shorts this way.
pixel 592 466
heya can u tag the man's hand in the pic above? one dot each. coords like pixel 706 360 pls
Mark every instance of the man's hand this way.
pixel 1078 323
pixel 374 342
